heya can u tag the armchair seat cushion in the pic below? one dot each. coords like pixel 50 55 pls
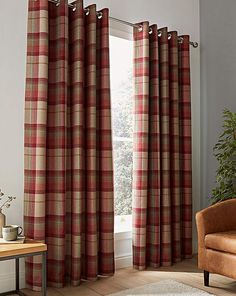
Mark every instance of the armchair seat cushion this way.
pixel 222 241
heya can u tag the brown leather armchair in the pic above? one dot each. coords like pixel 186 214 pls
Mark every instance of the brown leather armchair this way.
pixel 216 228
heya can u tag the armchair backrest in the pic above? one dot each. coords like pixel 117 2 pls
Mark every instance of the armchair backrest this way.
pixel 217 218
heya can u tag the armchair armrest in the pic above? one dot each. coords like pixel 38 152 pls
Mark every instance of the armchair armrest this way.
pixel 217 218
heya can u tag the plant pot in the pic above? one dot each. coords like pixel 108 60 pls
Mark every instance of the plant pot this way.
pixel 2 221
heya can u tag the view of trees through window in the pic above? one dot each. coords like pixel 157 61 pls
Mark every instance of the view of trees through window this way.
pixel 121 52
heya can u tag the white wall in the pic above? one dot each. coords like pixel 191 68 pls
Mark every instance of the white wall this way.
pixel 218 79
pixel 12 79
pixel 181 15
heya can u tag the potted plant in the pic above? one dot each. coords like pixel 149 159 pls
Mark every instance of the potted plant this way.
pixel 225 153
pixel 6 203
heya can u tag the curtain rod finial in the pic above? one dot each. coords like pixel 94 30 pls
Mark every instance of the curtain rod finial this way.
pixel 194 44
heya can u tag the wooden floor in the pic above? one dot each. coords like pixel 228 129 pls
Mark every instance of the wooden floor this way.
pixel 185 272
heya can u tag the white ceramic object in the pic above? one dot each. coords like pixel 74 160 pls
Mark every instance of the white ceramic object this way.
pixel 11 232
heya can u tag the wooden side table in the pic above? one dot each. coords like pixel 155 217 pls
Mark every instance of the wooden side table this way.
pixel 17 251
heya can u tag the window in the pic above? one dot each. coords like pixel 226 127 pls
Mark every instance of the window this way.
pixel 121 59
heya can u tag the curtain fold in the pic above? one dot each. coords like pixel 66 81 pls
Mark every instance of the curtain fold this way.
pixel 162 202
pixel 68 146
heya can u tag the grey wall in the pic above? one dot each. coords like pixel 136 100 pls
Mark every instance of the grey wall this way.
pixel 218 78
pixel 181 15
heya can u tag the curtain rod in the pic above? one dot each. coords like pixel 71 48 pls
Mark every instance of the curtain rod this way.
pixel 73 6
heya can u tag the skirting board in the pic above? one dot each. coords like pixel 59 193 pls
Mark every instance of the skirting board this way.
pixel 126 261
pixel 123 262
pixel 7 281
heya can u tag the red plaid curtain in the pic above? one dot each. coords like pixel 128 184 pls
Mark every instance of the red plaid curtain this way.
pixel 162 203
pixel 68 147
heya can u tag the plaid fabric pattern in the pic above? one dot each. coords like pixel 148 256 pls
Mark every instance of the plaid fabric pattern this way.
pixel 140 144
pixel 185 145
pixel 174 89
pixel 68 145
pixel 162 149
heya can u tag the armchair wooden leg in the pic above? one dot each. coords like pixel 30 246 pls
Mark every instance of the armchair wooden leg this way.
pixel 206 278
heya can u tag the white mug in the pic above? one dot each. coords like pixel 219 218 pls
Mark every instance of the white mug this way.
pixel 11 232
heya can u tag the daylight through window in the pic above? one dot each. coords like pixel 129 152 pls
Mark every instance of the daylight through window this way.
pixel 121 51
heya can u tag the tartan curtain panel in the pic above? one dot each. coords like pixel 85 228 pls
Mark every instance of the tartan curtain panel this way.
pixel 162 211
pixel 68 145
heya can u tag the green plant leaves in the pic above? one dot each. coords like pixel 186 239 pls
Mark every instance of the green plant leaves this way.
pixel 225 153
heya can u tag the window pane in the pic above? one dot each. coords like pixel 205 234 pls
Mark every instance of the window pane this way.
pixel 121 59
pixel 121 86
pixel 123 162
pixel 122 108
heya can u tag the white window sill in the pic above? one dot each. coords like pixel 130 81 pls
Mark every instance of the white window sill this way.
pixel 123 236
pixel 123 227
